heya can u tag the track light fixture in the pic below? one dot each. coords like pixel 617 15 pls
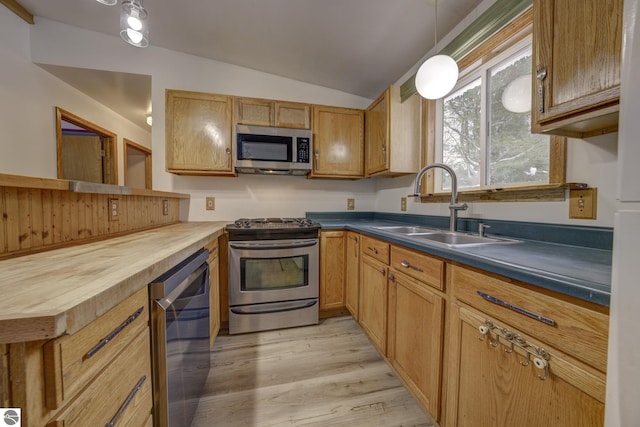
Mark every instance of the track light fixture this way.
pixel 134 28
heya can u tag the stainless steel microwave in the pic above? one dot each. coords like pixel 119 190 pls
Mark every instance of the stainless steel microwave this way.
pixel 272 150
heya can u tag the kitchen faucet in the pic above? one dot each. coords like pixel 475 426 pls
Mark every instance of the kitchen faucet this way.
pixel 454 206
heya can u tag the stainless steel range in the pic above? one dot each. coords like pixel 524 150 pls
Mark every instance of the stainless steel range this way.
pixel 273 273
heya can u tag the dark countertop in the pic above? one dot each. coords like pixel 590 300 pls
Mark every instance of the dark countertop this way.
pixel 579 271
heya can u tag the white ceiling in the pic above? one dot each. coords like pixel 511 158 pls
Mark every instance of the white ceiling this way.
pixel 356 46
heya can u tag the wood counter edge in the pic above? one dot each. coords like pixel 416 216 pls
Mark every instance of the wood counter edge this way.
pixel 71 320
pixel 20 181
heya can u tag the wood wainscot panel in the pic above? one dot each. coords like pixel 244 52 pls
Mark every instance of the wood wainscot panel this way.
pixel 36 219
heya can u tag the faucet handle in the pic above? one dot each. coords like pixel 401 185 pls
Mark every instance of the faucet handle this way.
pixel 481 228
pixel 414 195
pixel 459 206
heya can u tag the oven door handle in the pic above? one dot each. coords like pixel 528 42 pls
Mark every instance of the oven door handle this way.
pixel 259 246
pixel 277 307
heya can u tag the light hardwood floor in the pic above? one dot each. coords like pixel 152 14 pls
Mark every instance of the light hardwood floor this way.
pixel 324 375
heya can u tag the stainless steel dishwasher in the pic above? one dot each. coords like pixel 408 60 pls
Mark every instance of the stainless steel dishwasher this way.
pixel 180 340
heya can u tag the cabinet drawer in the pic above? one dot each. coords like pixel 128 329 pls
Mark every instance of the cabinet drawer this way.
pixel 419 266
pixel 71 361
pixel 375 248
pixel 121 393
pixel 576 330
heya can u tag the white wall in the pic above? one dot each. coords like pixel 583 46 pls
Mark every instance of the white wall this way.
pixel 592 161
pixel 29 96
pixel 247 195
pixel 28 144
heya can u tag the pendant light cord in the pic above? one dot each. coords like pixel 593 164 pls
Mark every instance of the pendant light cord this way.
pixel 435 28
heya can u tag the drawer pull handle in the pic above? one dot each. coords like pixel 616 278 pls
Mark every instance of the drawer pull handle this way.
pixel 113 334
pixel 374 250
pixel 517 309
pixel 406 264
pixel 126 403
pixel 540 355
pixel 382 271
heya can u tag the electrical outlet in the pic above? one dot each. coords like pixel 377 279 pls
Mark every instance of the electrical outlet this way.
pixel 351 204
pixel 583 203
pixel 403 204
pixel 211 203
pixel 114 209
pixel 165 207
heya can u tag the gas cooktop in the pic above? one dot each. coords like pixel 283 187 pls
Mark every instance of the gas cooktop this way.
pixel 273 223
pixel 272 228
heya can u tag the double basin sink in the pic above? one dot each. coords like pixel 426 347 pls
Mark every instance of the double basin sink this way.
pixel 448 239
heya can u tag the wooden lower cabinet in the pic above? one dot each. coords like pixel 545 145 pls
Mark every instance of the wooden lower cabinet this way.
pixel 332 269
pixel 373 301
pixel 489 385
pixel 416 321
pixel 352 273
pixel 120 395
pixel 100 374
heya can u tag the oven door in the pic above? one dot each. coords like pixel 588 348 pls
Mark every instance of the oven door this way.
pixel 272 270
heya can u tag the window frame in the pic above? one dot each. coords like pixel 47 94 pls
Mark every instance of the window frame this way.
pixel 511 35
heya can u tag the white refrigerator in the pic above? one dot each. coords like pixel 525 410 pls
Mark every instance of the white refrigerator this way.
pixel 623 372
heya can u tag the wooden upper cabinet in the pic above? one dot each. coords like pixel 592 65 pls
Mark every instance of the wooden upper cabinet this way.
pixel 332 269
pixel 268 112
pixel 338 142
pixel 577 48
pixel 293 115
pixel 199 133
pixel 393 134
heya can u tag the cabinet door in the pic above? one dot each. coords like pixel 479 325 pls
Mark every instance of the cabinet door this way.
pixel 198 133
pixel 488 385
pixel 352 273
pixel 415 338
pixel 252 111
pixel 293 115
pixel 377 135
pixel 578 44
pixel 332 269
pixel 373 301
pixel 338 142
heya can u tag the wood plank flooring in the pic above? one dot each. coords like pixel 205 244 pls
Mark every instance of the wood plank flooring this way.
pixel 324 375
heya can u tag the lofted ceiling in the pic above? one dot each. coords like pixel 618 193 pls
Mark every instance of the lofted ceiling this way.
pixel 355 46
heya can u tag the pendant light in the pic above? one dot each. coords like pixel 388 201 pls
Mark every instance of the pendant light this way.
pixel 108 2
pixel 437 75
pixel 134 27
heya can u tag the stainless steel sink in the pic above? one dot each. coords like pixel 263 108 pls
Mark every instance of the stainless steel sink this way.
pixel 448 239
pixel 407 229
pixel 457 240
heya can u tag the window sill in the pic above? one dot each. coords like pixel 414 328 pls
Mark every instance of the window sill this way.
pixel 538 193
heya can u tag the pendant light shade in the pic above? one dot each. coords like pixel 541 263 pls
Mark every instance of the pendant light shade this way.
pixel 134 28
pixel 436 76
pixel 108 2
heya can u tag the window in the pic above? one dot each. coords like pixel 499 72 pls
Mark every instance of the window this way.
pixel 484 127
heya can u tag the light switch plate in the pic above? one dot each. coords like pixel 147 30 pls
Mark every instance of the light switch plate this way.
pixel 351 204
pixel 211 203
pixel 583 203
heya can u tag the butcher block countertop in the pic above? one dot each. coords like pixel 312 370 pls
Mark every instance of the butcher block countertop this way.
pixel 51 293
